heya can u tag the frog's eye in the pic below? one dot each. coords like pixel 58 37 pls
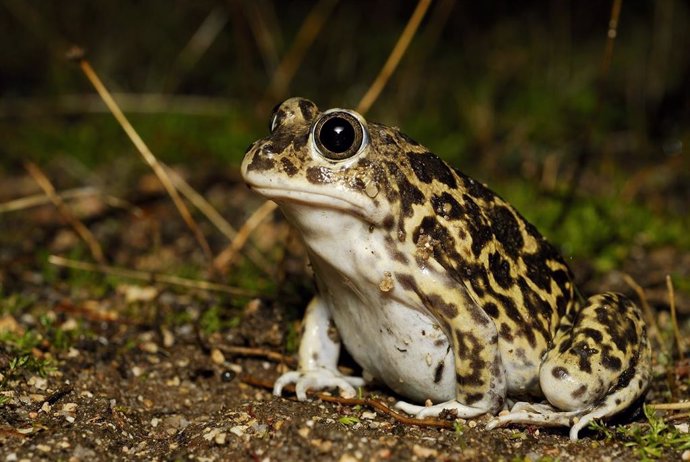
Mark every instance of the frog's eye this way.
pixel 338 135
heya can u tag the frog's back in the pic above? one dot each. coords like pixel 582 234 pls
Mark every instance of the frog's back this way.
pixel 507 267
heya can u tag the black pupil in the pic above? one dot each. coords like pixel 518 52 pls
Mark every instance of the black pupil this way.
pixel 337 135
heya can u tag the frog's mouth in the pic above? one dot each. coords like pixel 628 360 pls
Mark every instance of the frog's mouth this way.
pixel 310 199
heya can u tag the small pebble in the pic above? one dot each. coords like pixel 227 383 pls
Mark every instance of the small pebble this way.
pixel 217 356
pixel 423 452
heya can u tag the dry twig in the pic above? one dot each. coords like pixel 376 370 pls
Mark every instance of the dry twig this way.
pixel 394 59
pixel 679 406
pixel 226 257
pixel 216 218
pixel 143 150
pixel 148 276
pixel 306 35
pixel 369 402
pixel 258 353
pixel 674 317
pixel 36 200
pixel 67 215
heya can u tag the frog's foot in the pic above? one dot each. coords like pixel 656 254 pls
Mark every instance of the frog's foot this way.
pixel 317 379
pixel 545 415
pixel 422 412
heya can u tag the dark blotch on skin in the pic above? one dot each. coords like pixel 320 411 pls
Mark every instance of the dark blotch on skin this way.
pixel 492 310
pixel 318 175
pixel 611 362
pixel 505 333
pixel 407 282
pixel 279 141
pixel 260 163
pixel 439 203
pixel 507 230
pixel 500 269
pixel 438 372
pixel 429 167
pixel 560 372
pixel 593 334
pixel 579 392
pixel 409 193
pixel 584 352
pixel 473 398
pixel 299 141
pixel 480 230
pixel 307 108
pixel 288 166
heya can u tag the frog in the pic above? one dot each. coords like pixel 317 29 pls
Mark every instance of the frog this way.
pixel 436 286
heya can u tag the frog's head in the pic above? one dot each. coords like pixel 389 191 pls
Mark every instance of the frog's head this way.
pixel 336 160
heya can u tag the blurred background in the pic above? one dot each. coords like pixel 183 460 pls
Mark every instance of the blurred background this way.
pixel 590 146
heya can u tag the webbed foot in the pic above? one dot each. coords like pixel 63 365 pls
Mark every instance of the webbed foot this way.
pixel 544 415
pixel 422 412
pixel 317 379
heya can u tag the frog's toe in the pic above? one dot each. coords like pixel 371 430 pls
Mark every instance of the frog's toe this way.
pixel 538 415
pixel 409 408
pixel 423 412
pixel 317 379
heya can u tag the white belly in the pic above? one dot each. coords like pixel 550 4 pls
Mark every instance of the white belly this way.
pixel 400 346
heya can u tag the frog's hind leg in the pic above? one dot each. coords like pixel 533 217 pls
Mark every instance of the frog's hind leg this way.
pixel 595 369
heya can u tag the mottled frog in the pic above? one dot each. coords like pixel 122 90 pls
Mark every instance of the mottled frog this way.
pixel 436 286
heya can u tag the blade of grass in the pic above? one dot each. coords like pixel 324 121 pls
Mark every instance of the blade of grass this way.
pixel 226 257
pixel 394 59
pixel 674 317
pixel 35 200
pixel 83 232
pixel 309 30
pixel 148 276
pixel 217 219
pixel 143 149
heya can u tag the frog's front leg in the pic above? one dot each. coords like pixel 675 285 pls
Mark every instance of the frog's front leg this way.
pixel 480 376
pixel 318 357
pixel 594 370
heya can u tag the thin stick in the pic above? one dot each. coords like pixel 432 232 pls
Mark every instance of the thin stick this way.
pixel 258 353
pixel 142 103
pixel 650 318
pixel 67 215
pixel 35 200
pixel 148 276
pixel 306 35
pixel 674 317
pixel 394 59
pixel 197 45
pixel 670 406
pixel 369 402
pixel 611 36
pixel 216 218
pixel 226 257
pixel 145 152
